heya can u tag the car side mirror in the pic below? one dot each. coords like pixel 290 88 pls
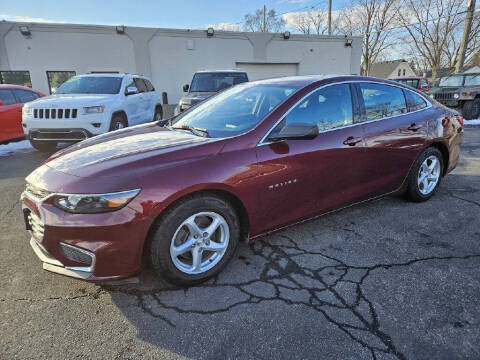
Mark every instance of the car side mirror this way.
pixel 54 91
pixel 131 90
pixel 186 87
pixel 298 131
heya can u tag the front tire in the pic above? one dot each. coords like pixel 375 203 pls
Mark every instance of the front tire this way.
pixel 425 175
pixel 195 240
pixel 471 109
pixel 118 122
pixel 44 146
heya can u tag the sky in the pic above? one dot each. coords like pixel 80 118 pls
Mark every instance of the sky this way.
pixel 190 14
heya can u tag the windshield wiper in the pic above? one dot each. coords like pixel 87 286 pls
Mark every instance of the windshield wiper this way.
pixel 194 130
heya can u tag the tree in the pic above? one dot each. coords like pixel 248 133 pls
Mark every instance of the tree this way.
pixel 453 43
pixel 310 22
pixel 254 22
pixel 431 25
pixel 374 19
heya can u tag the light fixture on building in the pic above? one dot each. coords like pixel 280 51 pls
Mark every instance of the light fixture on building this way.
pixel 348 42
pixel 286 35
pixel 25 31
pixel 210 32
pixel 120 29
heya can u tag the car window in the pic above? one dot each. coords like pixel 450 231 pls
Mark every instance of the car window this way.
pixel 213 82
pixel 7 97
pixel 140 85
pixel 414 101
pixel 424 83
pixel 91 85
pixel 472 80
pixel 149 85
pixel 235 110
pixel 25 95
pixel 328 108
pixel 382 100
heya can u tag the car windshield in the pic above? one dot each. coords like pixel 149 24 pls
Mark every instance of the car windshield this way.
pixel 91 85
pixel 213 82
pixel 234 111
pixel 451 81
pixel 472 80
pixel 410 82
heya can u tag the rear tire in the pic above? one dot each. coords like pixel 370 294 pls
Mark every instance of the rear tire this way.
pixel 175 229
pixel 471 109
pixel 44 146
pixel 425 175
pixel 158 116
pixel 118 122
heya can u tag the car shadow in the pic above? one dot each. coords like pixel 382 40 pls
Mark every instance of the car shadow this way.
pixel 311 281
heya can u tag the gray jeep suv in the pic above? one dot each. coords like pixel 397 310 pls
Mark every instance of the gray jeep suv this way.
pixel 460 91
pixel 206 83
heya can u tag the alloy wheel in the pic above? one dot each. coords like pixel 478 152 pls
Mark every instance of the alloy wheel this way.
pixel 428 175
pixel 199 243
pixel 119 126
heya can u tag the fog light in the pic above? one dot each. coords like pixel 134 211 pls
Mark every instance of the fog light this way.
pixel 76 254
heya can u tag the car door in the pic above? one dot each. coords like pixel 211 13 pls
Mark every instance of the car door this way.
pixel 300 178
pixel 393 135
pixel 152 97
pixel 10 116
pixel 143 99
pixel 132 104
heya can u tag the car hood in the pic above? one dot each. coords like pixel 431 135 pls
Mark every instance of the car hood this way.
pixel 195 97
pixel 70 100
pixel 126 152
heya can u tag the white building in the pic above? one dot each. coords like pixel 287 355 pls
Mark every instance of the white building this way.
pixel 170 57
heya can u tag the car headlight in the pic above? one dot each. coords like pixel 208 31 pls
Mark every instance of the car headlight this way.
pixel 94 203
pixel 456 96
pixel 93 110
pixel 27 111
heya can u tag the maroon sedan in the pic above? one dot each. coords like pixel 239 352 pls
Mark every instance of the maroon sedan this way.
pixel 253 159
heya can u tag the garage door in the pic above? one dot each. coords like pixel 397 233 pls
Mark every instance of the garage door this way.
pixel 259 71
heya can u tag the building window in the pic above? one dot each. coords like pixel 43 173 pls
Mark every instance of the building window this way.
pixel 399 72
pixel 403 72
pixel 57 78
pixel 16 78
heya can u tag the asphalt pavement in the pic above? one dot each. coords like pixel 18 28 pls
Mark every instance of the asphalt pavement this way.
pixel 387 279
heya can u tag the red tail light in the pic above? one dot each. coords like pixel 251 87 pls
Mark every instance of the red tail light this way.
pixel 460 120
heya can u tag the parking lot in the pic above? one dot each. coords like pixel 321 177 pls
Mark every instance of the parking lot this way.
pixel 383 280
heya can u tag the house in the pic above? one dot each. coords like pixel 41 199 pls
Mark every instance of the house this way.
pixel 391 69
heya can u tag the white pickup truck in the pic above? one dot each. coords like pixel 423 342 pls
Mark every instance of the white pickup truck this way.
pixel 89 105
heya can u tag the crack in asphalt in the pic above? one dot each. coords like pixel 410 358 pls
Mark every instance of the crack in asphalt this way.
pixel 334 289
pixel 95 295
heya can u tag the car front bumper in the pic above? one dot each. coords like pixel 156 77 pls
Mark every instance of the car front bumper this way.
pixel 92 247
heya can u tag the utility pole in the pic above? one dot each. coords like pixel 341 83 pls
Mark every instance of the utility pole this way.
pixel 264 18
pixel 329 17
pixel 466 34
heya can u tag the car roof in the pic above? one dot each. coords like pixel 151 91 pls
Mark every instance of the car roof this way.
pixel 12 86
pixel 221 71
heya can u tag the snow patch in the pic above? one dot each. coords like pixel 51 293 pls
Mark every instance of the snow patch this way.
pixel 16 147
pixel 472 122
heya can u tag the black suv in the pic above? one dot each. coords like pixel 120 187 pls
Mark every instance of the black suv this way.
pixel 206 83
pixel 461 91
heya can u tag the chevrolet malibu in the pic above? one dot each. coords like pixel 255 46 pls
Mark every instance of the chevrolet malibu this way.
pixel 253 159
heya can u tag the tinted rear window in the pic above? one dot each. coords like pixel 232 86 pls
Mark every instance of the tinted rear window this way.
pixel 414 101
pixel 382 100
pixel 25 95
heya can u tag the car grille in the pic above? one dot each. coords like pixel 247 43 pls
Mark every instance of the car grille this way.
pixel 36 225
pixel 444 96
pixel 36 192
pixel 55 113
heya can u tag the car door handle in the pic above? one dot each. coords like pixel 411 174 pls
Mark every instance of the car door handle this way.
pixel 352 141
pixel 414 127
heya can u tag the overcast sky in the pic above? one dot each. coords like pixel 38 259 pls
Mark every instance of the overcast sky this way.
pixel 192 14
